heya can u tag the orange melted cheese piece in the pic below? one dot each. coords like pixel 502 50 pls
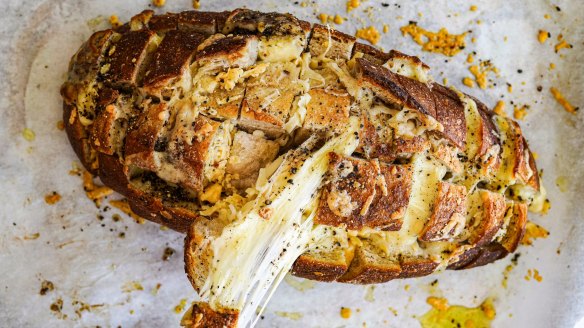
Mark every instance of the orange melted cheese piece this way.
pixel 440 42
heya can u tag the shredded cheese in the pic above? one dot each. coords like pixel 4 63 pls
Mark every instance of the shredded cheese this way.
pixel 440 42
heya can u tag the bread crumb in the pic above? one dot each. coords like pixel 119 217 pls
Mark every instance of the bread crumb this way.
pixel 345 313
pixel 370 34
pixel 352 4
pixel 552 66
pixel 473 8
pixel 468 82
pixel 445 81
pixel 546 16
pixel 114 21
pixel 439 303
pixel 196 4
pixel 500 108
pixel 60 125
pixel 158 3
pixel 46 286
pixel 52 198
pixel 542 36
pixel 562 101
pixel 28 134
pixel 33 236
pixel 532 232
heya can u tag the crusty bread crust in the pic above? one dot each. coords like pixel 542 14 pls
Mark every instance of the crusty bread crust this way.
pixel 117 68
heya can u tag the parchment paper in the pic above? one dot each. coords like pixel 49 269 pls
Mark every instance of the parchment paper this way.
pixel 89 263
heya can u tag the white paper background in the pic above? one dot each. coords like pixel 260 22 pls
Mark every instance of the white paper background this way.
pixel 88 262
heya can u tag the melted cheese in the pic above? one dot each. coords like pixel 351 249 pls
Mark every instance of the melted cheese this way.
pixel 253 254
pixel 405 67
pixel 280 49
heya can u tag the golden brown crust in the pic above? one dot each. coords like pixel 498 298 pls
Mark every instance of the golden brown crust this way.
pixel 201 315
pixel 492 212
pixel 315 267
pixel 340 47
pixel 371 53
pixel 370 266
pixel 363 194
pixel 125 58
pixel 450 113
pixel 447 215
pixel 171 59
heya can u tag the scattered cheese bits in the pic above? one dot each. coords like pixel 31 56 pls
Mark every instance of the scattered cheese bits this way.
pixel 52 198
pixel 338 20
pixel 481 72
pixel 500 108
pixel 458 316
pixel 323 18
pixel 60 125
pixel 533 273
pixel 562 101
pixel 385 28
pixel 562 44
pixel 181 306
pixel 533 231
pixel 473 8
pixel 114 21
pixel 352 4
pixel 542 36
pixel 28 134
pixel 345 313
pixel 99 192
pixel 158 3
pixel 440 42
pixel 438 303
pixel 468 82
pixel 370 34
pixel 123 206
pixel 469 59
pixel 546 16
pixel 552 66
pixel 196 4
pixel 519 112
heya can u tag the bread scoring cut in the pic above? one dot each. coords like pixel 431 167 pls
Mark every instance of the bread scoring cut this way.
pixel 280 146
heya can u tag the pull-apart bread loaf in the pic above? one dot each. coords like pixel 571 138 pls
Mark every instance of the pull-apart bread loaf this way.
pixel 281 145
